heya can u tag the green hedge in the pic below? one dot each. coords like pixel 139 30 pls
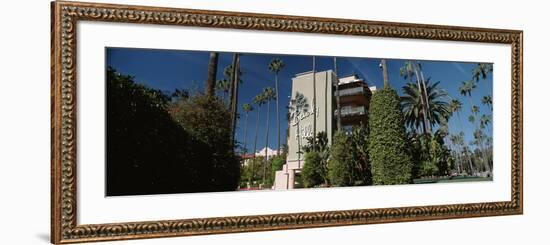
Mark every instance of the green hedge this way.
pixel 390 160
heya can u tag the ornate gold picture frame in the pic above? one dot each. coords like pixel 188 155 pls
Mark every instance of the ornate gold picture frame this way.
pixel 66 15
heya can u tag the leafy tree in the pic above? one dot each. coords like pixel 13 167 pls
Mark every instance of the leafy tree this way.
pixel 388 153
pixel 205 118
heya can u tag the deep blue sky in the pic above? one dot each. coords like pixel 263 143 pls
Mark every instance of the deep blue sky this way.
pixel 170 69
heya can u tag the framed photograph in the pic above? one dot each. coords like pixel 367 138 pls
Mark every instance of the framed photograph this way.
pixel 175 122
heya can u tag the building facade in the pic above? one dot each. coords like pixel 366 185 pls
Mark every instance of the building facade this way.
pixel 320 115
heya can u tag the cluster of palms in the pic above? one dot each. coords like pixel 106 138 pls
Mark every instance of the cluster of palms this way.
pixel 266 96
pixel 425 106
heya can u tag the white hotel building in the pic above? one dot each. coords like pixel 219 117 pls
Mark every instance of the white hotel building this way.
pixel 354 101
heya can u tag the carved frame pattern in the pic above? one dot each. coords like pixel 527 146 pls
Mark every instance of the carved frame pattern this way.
pixel 65 15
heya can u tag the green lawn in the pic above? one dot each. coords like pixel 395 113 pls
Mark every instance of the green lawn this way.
pixel 451 180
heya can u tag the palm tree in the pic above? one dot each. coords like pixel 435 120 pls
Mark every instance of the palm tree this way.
pixel 466 90
pixel 223 85
pixel 407 71
pixel 276 66
pixel 247 108
pixel 466 150
pixel 454 143
pixel 479 137
pixel 212 70
pixel 488 101
pixel 298 105
pixel 269 95
pixel 235 79
pixel 484 120
pixel 259 101
pixel 475 110
pixel 415 110
pixel 481 70
pixel 456 107
pixel 384 68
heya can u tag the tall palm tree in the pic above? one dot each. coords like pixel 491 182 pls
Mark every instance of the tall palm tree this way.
pixel 454 144
pixel 466 150
pixel 235 79
pixel 479 137
pixel 466 90
pixel 488 101
pixel 212 70
pixel 298 105
pixel 338 111
pixel 247 108
pixel 259 101
pixel 384 68
pixel 456 106
pixel 414 109
pixel 314 103
pixel 275 66
pixel 407 71
pixel 269 95
pixel 484 120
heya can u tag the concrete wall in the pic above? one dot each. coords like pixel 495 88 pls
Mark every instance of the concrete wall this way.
pixel 304 84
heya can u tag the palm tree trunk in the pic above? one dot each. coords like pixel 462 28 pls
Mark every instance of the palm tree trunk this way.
pixel 255 142
pixel 234 94
pixel 245 131
pixel 338 113
pixel 422 100
pixel 277 109
pixel 467 152
pixel 385 73
pixel 266 142
pixel 212 70
pixel 314 105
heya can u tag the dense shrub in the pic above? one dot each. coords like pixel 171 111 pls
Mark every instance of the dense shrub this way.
pixel 312 174
pixel 148 152
pixel 340 164
pixel 389 157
